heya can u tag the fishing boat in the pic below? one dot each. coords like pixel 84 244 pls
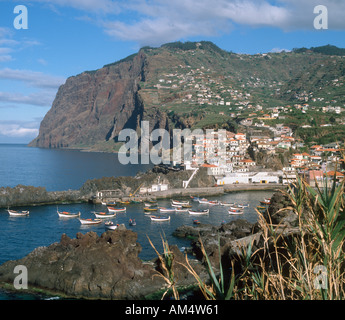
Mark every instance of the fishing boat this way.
pixel 196 221
pixel 124 202
pixel 227 204
pixel 236 208
pixel 166 210
pixel 132 222
pixel 90 221
pixel 113 209
pixel 232 211
pixel 179 203
pixel 181 209
pixel 148 209
pixel 18 213
pixel 156 218
pixel 203 201
pixel 213 203
pixel 195 199
pixel 104 215
pixel 243 205
pixel 199 212
pixel 110 225
pixel 147 204
pixel 137 201
pixel 65 214
pixel 266 201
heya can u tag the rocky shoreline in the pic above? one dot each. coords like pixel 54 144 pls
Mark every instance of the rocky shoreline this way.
pixel 202 184
pixel 108 267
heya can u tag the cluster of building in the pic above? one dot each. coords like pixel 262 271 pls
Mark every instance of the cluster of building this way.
pixel 225 155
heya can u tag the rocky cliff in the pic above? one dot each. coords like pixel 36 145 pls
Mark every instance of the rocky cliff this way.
pixel 175 86
pixel 92 107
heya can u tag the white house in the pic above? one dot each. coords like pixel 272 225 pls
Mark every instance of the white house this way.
pixel 250 177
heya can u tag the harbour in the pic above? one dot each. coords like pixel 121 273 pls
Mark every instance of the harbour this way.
pixel 43 226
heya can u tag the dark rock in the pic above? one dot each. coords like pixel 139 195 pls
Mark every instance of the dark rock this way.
pixel 284 217
pixel 89 266
pixel 212 237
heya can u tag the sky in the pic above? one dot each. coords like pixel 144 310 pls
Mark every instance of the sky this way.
pixel 43 42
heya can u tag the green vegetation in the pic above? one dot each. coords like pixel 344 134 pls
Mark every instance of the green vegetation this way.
pixel 301 263
pixel 327 50
pixel 199 85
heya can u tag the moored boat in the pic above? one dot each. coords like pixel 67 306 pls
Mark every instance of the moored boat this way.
pixel 18 213
pixel 196 221
pixel 241 205
pixel 199 211
pixel 132 222
pixel 136 201
pixel 124 202
pixel 163 209
pixel 266 201
pixel 66 214
pixel 236 208
pixel 211 202
pixel 113 209
pixel 147 204
pixel 203 201
pixel 181 209
pixel 104 215
pixel 110 225
pixel 232 211
pixel 227 204
pixel 179 203
pixel 150 208
pixel 90 221
pixel 156 218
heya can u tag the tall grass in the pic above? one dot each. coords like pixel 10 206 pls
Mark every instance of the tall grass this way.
pixel 304 263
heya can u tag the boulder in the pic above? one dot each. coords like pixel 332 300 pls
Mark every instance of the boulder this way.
pixel 89 266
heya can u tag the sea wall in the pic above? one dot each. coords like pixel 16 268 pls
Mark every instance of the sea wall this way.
pixel 27 196
pixel 202 184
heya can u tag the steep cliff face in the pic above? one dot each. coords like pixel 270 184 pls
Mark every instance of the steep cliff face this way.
pixel 94 106
pixel 177 85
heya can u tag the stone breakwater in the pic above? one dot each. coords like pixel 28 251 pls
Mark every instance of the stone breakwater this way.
pixel 22 195
pixel 27 195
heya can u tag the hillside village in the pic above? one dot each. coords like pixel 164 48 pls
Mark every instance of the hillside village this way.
pixel 233 164
pixel 264 127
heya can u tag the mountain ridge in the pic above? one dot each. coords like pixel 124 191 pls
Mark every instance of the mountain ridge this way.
pixel 178 85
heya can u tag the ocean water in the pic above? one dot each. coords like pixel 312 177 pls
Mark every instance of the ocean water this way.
pixel 58 169
pixel 68 169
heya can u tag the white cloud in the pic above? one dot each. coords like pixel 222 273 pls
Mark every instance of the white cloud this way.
pixel 161 21
pixel 43 86
pixel 41 98
pixel 17 130
pixel 105 6
pixel 32 78
pixel 277 50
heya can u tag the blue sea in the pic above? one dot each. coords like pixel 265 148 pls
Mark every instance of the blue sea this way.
pixel 69 169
